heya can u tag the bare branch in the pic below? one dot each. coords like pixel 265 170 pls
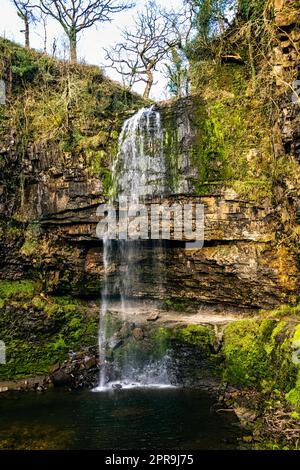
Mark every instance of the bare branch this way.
pixel 143 48
pixel 77 15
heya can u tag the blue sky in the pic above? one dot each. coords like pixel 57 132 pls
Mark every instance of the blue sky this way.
pixel 91 42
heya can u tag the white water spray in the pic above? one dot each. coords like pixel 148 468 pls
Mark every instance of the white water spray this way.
pixel 139 172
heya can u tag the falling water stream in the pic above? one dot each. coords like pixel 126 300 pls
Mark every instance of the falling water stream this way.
pixel 138 174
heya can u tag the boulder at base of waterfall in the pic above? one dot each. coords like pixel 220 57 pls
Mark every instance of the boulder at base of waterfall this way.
pixel 54 368
pixel 61 378
pixel 125 330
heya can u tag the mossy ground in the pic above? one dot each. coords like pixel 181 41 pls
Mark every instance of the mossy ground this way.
pixel 261 360
pixel 258 353
pixel 38 330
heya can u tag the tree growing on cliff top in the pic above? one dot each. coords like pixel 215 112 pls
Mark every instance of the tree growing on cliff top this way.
pixel 213 17
pixel 183 29
pixel 25 12
pixel 137 57
pixel 76 15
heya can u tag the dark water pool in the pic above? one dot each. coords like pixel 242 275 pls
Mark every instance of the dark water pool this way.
pixel 125 419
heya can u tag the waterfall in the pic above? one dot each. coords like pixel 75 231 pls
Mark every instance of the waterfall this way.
pixel 138 174
pixel 139 170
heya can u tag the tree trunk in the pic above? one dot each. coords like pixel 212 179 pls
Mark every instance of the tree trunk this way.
pixel 26 31
pixel 45 34
pixel 149 84
pixel 73 47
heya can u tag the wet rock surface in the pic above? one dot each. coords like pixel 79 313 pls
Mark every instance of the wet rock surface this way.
pixel 80 370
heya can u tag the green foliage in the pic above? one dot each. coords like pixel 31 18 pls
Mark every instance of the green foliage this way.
pixel 66 301
pixel 258 353
pixel 196 335
pixel 245 355
pixel 70 141
pixel 69 107
pixel 27 66
pixel 233 147
pixel 58 344
pixel 251 9
pixel 295 415
pixel 18 290
pixel 210 153
pixel 284 310
pixel 178 75
pixel 179 305
pixel 211 17
pixel 39 331
pixel 96 166
pixel 229 67
pixel 293 396
pixel 233 28
pixel 106 180
pixel 161 337
pixel 176 305
pixel 24 66
pixel 29 247
pixel 297 333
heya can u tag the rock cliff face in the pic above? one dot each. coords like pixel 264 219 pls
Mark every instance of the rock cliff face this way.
pixel 285 61
pixel 240 264
pixel 50 192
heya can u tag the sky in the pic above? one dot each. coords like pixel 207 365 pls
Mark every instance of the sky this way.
pixel 91 41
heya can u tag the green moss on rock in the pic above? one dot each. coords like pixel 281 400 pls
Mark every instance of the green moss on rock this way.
pixel 39 331
pixel 18 290
pixel 293 396
pixel 196 335
pixel 259 354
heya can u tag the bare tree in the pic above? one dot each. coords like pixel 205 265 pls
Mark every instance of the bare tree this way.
pixel 45 35
pixel 43 20
pixel 77 15
pixel 142 49
pixel 54 47
pixel 182 23
pixel 126 66
pixel 25 12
